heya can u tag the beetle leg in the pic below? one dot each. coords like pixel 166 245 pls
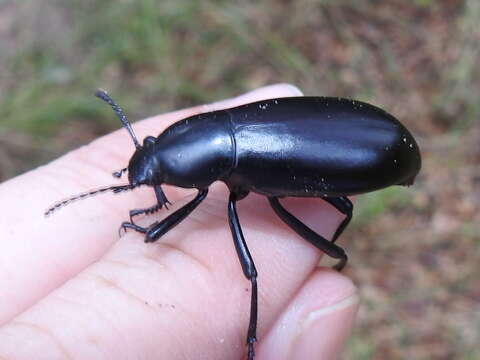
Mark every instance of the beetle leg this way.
pixel 128 225
pixel 308 234
pixel 161 201
pixel 157 229
pixel 149 210
pixel 161 198
pixel 345 206
pixel 248 269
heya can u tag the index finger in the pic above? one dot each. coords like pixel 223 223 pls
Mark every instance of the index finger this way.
pixel 38 254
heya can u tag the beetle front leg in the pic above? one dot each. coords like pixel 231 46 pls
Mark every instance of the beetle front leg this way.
pixel 157 229
pixel 308 234
pixel 249 270
pixel 129 225
pixel 147 211
pixel 161 201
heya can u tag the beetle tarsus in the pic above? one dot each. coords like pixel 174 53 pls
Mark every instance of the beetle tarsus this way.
pixel 128 225
pixel 252 328
pixel 150 210
pixel 161 202
pixel 250 349
pixel 157 229
pixel 161 198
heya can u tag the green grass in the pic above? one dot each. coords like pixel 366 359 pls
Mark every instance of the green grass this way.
pixel 170 54
pixel 371 205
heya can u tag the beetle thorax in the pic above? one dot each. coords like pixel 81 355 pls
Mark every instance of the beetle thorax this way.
pixel 195 152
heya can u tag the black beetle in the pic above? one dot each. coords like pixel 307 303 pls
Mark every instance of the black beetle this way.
pixel 298 146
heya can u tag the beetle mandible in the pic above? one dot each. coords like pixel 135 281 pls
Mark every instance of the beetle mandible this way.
pixel 322 147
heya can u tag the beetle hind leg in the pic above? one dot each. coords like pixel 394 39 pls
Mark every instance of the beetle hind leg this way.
pixel 308 234
pixel 345 206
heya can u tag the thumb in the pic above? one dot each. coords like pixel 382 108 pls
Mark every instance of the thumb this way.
pixel 316 323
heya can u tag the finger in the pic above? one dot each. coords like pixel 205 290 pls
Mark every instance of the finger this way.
pixel 39 254
pixel 316 323
pixel 182 297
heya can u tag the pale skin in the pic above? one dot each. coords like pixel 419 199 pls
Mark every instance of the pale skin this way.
pixel 72 289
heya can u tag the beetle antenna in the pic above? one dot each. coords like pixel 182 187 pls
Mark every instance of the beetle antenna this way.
pixel 102 94
pixel 62 203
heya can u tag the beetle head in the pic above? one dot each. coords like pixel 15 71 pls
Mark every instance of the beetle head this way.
pixel 144 168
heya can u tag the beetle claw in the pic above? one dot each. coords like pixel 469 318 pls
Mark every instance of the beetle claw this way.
pixel 122 227
pixel 341 264
pixel 129 225
pixel 133 213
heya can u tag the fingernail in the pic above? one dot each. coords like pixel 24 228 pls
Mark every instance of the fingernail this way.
pixel 266 92
pixel 323 332
pixel 286 88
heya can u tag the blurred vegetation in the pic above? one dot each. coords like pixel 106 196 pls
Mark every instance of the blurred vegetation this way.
pixel 414 251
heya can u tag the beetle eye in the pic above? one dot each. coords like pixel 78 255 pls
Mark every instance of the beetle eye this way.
pixel 149 140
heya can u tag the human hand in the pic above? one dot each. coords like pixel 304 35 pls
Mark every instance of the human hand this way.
pixel 70 288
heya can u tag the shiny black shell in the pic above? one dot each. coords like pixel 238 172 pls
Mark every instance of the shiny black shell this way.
pixel 311 146
pixel 297 146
